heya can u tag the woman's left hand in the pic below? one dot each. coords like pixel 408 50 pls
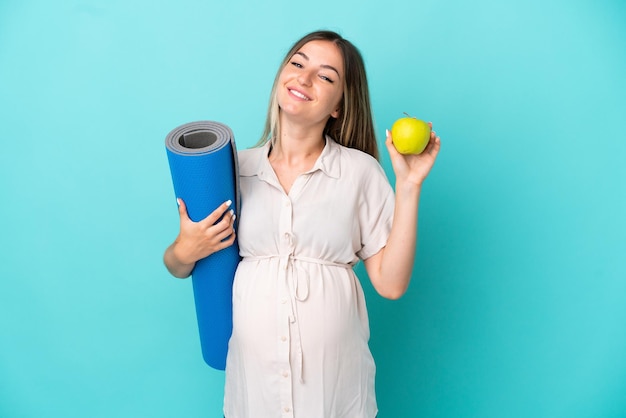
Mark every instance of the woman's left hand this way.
pixel 414 168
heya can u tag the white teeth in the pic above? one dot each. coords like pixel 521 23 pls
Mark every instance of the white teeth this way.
pixel 298 94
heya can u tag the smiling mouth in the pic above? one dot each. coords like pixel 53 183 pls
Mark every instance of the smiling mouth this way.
pixel 299 95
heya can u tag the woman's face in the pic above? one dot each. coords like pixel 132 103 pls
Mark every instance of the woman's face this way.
pixel 310 86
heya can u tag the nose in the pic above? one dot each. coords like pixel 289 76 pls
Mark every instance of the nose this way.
pixel 304 78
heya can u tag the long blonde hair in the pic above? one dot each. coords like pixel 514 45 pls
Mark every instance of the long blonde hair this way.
pixel 354 127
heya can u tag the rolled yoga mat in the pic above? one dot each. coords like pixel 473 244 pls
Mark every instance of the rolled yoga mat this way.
pixel 203 164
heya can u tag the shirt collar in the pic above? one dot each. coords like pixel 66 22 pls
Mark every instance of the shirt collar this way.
pixel 327 162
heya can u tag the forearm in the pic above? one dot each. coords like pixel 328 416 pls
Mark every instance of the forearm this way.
pixel 393 270
pixel 174 264
pixel 197 240
pixel 390 270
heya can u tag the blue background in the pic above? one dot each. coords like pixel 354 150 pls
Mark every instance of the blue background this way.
pixel 517 306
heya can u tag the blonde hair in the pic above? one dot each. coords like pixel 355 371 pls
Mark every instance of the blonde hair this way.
pixel 354 127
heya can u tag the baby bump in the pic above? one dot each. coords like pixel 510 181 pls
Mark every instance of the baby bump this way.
pixel 334 313
pixel 325 304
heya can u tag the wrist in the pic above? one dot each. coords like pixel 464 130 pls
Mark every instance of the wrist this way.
pixel 181 254
pixel 408 188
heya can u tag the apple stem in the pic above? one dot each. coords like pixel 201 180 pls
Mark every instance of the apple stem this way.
pixel 408 115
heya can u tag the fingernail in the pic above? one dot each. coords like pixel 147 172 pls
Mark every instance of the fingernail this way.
pixel 234 217
pixel 229 202
pixel 177 202
pixel 232 212
pixel 386 132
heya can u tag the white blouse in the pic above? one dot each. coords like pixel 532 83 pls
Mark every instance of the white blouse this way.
pixel 299 346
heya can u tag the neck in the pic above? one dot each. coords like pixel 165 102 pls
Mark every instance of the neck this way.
pixel 296 143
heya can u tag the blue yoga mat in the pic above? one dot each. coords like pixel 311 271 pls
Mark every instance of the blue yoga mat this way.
pixel 203 164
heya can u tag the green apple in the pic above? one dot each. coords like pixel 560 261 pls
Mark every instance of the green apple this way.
pixel 410 135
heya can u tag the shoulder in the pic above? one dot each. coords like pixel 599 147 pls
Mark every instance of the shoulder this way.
pixel 249 153
pixel 357 162
pixel 365 174
pixel 249 159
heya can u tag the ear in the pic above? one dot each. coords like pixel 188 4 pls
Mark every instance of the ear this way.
pixel 335 113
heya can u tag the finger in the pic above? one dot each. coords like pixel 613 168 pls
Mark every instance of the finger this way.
pixel 225 225
pixel 434 146
pixel 214 216
pixel 226 234
pixel 223 230
pixel 230 240
pixel 227 220
pixel 227 242
pixel 390 146
pixel 428 146
pixel 182 210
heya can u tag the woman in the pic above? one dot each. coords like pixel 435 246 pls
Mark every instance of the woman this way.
pixel 315 201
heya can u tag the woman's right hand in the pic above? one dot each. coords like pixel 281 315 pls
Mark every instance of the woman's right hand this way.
pixel 197 240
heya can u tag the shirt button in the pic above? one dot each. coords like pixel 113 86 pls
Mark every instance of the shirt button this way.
pixel 287 409
pixel 283 301
pixel 285 374
pixel 283 338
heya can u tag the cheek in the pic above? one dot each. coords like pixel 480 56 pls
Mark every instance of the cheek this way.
pixel 286 73
pixel 338 100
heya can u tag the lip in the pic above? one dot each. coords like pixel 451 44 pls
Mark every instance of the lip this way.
pixel 291 93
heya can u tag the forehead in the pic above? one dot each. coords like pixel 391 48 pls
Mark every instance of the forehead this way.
pixel 323 52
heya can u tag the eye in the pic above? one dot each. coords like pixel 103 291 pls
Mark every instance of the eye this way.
pixel 296 64
pixel 323 77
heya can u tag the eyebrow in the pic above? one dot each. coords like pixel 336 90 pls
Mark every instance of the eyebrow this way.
pixel 330 67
